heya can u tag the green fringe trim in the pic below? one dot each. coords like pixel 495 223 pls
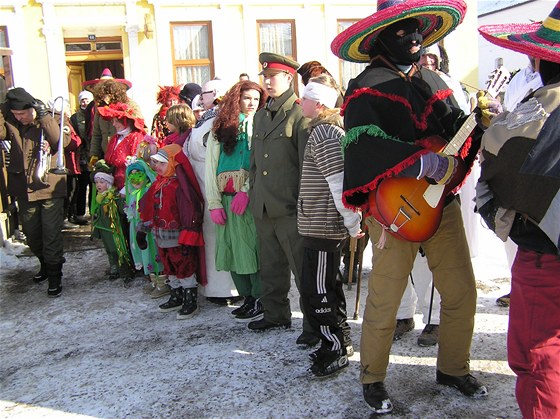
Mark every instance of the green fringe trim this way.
pixel 353 134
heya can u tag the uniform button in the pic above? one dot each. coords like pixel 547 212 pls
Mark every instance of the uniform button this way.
pixel 266 156
pixel 265 173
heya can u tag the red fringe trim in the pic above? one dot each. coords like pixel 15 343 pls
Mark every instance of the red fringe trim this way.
pixel 420 122
pixel 368 187
pixel 191 238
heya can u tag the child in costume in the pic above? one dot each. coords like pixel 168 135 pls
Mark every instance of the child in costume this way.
pixel 179 121
pixel 139 178
pixel 107 223
pixel 173 210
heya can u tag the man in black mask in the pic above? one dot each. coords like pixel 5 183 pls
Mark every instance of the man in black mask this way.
pixel 391 109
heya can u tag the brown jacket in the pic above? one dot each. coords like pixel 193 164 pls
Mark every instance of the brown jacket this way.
pixel 23 179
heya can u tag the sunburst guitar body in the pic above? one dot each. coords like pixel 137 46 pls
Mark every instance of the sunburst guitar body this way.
pixel 410 208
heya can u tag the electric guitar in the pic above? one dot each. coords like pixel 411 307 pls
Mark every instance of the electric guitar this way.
pixel 410 208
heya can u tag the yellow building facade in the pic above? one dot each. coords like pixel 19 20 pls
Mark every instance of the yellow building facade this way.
pixel 50 47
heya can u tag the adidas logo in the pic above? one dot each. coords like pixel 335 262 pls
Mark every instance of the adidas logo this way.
pixel 324 300
pixel 323 310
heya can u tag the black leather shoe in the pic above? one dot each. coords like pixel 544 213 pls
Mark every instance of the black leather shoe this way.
pixel 307 339
pixel 466 384
pixel 263 324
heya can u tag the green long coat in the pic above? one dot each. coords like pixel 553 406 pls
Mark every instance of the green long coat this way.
pixel 277 156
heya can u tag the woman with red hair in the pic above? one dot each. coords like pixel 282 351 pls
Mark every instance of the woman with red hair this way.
pixel 227 184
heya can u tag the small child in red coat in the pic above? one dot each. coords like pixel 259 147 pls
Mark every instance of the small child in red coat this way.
pixel 173 209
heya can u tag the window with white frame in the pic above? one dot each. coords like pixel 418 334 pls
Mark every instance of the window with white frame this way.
pixel 348 70
pixel 192 52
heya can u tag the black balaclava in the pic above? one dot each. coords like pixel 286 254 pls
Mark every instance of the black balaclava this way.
pixel 397 48
pixel 549 71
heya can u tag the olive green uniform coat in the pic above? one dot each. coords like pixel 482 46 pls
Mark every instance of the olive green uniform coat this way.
pixel 279 139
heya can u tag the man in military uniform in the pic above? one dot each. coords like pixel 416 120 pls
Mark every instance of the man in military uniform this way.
pixel 279 138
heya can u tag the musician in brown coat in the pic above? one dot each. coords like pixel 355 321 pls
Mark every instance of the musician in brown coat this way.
pixel 34 137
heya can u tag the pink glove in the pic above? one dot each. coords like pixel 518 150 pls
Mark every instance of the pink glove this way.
pixel 218 216
pixel 239 203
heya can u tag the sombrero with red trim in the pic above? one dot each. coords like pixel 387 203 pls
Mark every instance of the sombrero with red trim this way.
pixel 120 111
pixel 105 75
pixel 540 40
pixel 437 19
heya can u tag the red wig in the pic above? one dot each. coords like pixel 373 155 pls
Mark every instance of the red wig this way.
pixel 167 93
pixel 226 125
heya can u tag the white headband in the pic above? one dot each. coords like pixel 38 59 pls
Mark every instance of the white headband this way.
pixel 321 93
pixel 105 177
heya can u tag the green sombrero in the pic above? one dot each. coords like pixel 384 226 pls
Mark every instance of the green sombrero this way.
pixel 540 40
pixel 437 19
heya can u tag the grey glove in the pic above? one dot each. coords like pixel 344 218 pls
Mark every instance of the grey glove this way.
pixel 40 108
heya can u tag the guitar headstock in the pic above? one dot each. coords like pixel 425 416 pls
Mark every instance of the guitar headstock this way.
pixel 497 80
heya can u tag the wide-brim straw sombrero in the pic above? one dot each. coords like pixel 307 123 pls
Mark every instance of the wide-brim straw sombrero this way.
pixel 540 40
pixel 437 19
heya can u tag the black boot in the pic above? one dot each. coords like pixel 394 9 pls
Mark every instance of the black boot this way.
pixel 54 275
pixel 42 274
pixel 190 306
pixel 175 301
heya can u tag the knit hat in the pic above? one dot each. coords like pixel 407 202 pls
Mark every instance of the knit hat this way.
pixel 18 99
pixel 105 177
pixel 85 94
pixel 161 156
pixel 189 91
pixel 433 50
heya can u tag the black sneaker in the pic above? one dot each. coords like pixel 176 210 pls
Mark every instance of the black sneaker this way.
pixel 256 312
pixel 263 324
pixel 403 326
pixel 377 398
pixel 328 363
pixel 246 306
pixel 40 276
pixel 317 353
pixel 54 292
pixel 466 384
pixel 307 340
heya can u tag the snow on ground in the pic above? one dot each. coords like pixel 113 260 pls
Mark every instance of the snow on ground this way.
pixel 103 350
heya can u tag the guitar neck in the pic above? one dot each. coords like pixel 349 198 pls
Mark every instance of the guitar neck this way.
pixel 461 136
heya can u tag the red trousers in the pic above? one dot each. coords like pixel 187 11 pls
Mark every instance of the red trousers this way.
pixel 180 261
pixel 534 333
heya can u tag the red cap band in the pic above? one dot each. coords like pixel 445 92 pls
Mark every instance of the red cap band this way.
pixel 278 66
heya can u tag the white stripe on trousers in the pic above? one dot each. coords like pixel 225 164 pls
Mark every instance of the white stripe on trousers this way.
pixel 322 289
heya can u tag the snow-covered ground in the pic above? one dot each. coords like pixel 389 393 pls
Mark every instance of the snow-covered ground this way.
pixel 103 350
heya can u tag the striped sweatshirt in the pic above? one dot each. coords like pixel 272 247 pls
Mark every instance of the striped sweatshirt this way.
pixel 321 213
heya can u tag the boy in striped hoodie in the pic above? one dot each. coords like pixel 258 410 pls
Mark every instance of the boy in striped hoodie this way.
pixel 324 224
